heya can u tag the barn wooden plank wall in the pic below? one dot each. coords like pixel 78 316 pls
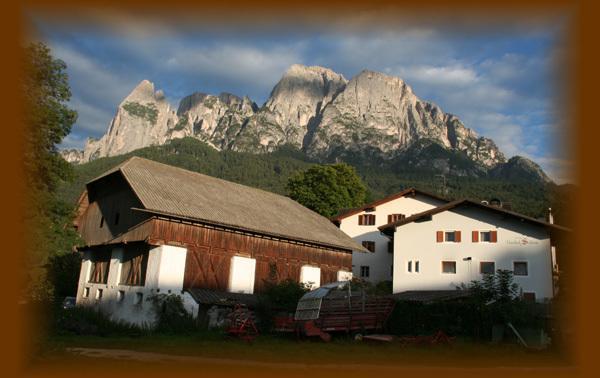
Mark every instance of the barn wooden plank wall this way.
pixel 210 251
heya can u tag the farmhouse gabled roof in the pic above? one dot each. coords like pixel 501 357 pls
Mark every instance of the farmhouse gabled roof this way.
pixel 175 192
pixel 390 227
pixel 406 192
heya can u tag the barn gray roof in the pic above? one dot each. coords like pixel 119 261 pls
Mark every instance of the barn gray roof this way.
pixel 176 192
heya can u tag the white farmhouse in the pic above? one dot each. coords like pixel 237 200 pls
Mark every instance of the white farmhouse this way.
pixel 441 248
pixel 362 224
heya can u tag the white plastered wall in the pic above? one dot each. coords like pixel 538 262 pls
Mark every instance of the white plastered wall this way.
pixel 517 241
pixel 381 260
pixel 164 274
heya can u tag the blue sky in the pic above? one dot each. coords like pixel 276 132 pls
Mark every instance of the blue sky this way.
pixel 502 82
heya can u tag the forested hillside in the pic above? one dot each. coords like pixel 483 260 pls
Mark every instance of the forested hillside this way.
pixel 271 172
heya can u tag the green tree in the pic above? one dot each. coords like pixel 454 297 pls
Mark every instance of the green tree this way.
pixel 327 189
pixel 47 121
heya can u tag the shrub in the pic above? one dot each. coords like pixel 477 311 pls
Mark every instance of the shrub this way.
pixel 171 315
pixel 90 321
pixel 279 297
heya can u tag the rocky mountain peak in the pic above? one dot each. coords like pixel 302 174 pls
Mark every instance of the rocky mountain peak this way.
pixel 143 92
pixel 311 107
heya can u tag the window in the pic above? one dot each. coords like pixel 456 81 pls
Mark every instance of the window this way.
pixel 486 267
pixel 395 217
pixel 370 245
pixel 520 268
pixel 485 236
pixel 449 267
pixel 242 273
pixel 101 222
pixel 99 273
pixel 86 292
pixel 98 294
pixel 133 267
pixel 412 266
pixel 366 219
pixel 448 236
pixel 138 299
pixel 529 296
pixel 120 296
pixel 364 271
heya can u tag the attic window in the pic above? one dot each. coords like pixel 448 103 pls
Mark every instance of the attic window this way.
pixel 395 217
pixel 101 222
pixel 366 219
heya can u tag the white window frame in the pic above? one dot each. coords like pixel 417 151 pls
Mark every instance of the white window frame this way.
pixel 448 261
pixel 489 262
pixel 520 261
pixel 489 232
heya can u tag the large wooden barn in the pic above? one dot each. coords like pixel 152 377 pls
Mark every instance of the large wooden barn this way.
pixel 151 228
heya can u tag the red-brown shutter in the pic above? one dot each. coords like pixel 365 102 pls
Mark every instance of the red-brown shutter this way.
pixel 360 220
pixel 439 236
pixel 493 236
pixel 475 236
pixel 457 236
pixel 390 218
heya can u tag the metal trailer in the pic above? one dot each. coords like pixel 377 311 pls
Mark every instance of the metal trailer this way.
pixel 336 307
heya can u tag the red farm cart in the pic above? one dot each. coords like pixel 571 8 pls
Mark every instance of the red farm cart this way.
pixel 334 308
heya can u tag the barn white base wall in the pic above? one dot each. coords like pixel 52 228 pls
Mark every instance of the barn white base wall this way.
pixel 131 304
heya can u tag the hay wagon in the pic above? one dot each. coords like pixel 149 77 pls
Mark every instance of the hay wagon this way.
pixel 337 308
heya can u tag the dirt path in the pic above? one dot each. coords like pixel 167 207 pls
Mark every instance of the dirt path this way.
pixel 161 358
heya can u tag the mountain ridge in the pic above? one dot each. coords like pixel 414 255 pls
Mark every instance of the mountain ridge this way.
pixel 313 108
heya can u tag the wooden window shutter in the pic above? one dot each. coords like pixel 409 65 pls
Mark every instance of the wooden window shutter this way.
pixel 457 236
pixel 439 236
pixel 475 236
pixel 390 218
pixel 360 220
pixel 493 236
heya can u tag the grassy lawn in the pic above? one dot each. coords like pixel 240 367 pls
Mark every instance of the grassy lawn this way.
pixel 341 350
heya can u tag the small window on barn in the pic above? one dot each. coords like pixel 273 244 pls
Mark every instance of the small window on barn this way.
pixel 449 267
pixel 241 275
pixel 369 245
pixel 98 294
pixel 364 271
pixel 101 222
pixel 310 276
pixel 133 267
pixel 487 267
pixel 520 268
pixel 117 218
pixel 138 299
pixel 99 271
pixel 86 292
